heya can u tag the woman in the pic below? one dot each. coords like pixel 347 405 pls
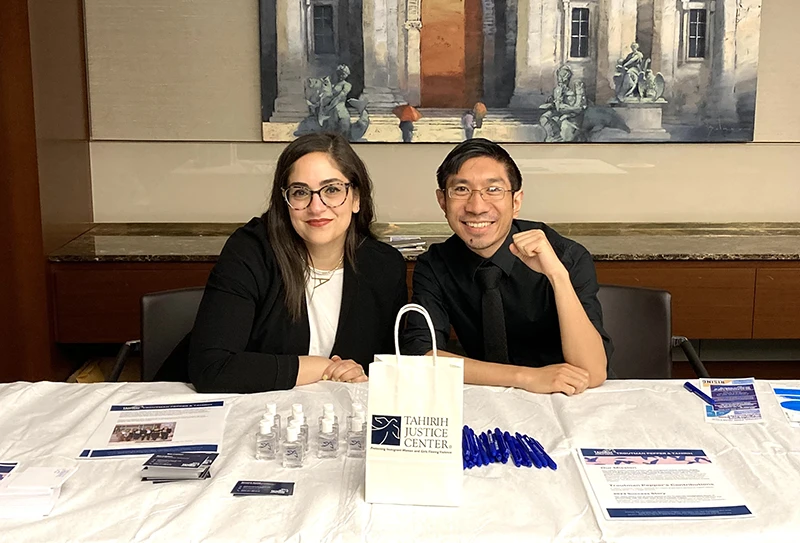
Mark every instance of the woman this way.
pixel 305 292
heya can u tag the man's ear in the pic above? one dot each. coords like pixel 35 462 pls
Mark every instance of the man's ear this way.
pixel 517 202
pixel 442 199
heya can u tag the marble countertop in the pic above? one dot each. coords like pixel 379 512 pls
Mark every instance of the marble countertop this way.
pixel 199 242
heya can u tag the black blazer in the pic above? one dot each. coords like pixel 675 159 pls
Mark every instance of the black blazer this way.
pixel 243 338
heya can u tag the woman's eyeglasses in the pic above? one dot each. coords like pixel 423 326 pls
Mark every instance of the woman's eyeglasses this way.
pixel 298 197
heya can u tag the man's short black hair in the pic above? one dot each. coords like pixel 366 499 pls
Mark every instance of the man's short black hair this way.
pixel 474 148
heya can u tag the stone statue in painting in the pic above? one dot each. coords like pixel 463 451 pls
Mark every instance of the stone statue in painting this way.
pixel 635 81
pixel 569 115
pixel 563 118
pixel 327 107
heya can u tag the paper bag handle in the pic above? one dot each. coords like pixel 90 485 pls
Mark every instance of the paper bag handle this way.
pixel 419 309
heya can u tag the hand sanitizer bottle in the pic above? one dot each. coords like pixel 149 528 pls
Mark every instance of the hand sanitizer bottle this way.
pixel 297 409
pixel 357 408
pixel 300 421
pixel 328 412
pixel 357 436
pixel 292 451
pixel 266 441
pixel 328 444
pixel 272 410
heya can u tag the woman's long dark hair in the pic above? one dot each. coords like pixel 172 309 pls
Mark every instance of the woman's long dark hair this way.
pixel 290 249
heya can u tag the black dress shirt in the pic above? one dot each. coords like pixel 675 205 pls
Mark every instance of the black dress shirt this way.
pixel 244 339
pixel 444 283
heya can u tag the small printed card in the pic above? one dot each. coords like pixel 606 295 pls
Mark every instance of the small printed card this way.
pixel 178 466
pixel 262 488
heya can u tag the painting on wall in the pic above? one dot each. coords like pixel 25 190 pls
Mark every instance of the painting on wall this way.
pixel 510 70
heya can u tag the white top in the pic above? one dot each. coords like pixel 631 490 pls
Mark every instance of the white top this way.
pixel 324 300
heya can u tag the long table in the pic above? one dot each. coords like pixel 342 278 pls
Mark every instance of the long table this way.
pixel 48 423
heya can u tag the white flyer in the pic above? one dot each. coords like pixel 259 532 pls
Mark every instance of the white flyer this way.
pixel 31 492
pixel 133 430
pixel 654 484
pixel 736 400
pixel 789 400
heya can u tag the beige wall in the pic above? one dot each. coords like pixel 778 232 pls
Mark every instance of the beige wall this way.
pixel 174 104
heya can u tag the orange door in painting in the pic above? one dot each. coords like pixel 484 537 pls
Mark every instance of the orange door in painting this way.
pixel 451 50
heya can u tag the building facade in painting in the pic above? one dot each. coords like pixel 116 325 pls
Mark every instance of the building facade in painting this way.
pixel 444 56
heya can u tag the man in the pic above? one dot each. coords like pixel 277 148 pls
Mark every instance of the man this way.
pixel 521 298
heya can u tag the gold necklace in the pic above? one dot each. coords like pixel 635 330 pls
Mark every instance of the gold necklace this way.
pixel 320 279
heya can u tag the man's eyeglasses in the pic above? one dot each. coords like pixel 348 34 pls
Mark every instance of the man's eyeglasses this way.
pixel 298 197
pixel 460 192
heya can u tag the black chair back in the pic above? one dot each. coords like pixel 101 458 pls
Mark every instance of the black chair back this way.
pixel 639 321
pixel 167 317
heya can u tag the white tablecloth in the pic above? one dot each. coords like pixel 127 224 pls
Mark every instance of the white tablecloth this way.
pixel 48 423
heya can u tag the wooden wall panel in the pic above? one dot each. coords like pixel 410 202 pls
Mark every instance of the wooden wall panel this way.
pixel 714 302
pixel 24 324
pixel 100 303
pixel 777 304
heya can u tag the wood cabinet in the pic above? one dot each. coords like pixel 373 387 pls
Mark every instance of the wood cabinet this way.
pixel 708 301
pixel 99 302
pixel 777 303
pixel 720 300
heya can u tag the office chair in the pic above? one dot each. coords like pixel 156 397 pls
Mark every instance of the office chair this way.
pixel 639 321
pixel 167 317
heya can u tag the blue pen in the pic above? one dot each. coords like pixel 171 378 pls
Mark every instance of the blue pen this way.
pixel 479 449
pixel 523 453
pixel 503 445
pixel 515 456
pixel 696 391
pixel 550 462
pixel 487 458
pixel 487 450
pixel 465 444
pixel 547 462
pixel 471 451
pixel 531 451
pixel 476 451
pixel 493 444
pixel 465 450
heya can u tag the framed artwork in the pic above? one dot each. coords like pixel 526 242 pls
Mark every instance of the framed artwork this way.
pixel 510 70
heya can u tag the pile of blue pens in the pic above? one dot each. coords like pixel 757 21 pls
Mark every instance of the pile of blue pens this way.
pixel 498 446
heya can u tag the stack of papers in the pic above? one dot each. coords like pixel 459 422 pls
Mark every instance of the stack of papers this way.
pixel 789 399
pixel 32 492
pixel 408 245
pixel 162 468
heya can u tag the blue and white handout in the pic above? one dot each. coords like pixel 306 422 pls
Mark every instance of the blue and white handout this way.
pixel 133 430
pixel 6 468
pixel 736 400
pixel 789 400
pixel 655 484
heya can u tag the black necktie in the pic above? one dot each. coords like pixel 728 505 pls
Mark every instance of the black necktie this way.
pixel 495 342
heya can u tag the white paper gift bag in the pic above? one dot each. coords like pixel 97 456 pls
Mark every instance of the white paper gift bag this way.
pixel 414 426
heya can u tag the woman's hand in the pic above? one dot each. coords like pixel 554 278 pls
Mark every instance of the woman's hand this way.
pixel 345 371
